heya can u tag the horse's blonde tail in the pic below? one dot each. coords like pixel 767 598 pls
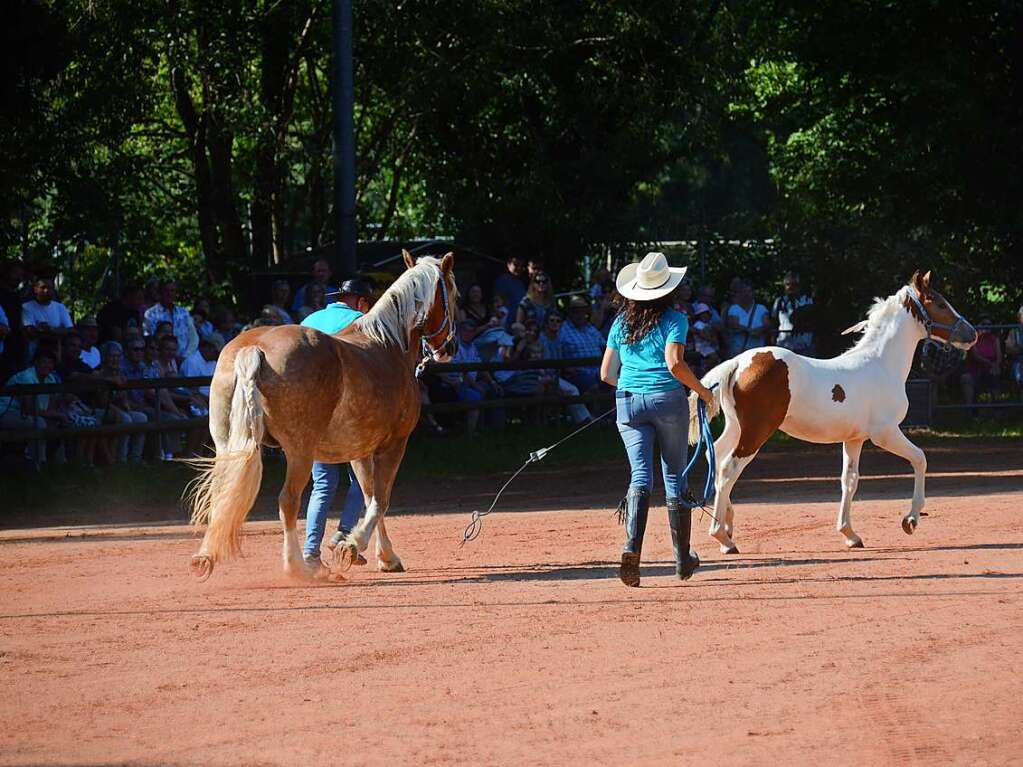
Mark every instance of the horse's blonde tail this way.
pixel 223 494
pixel 722 376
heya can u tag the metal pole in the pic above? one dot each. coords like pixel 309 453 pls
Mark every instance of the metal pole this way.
pixel 344 141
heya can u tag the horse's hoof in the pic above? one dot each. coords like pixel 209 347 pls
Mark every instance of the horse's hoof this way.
pixel 857 544
pixel 908 525
pixel 345 555
pixel 202 567
pixel 733 549
pixel 390 567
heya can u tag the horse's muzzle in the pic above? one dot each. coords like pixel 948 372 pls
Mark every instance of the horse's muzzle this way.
pixel 963 336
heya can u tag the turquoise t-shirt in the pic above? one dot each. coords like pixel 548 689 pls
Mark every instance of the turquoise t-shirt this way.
pixel 332 319
pixel 644 370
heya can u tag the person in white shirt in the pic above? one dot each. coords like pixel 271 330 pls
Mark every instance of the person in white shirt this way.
pixel 88 329
pixel 203 361
pixel 43 316
pixel 177 316
pixel 782 312
pixel 748 321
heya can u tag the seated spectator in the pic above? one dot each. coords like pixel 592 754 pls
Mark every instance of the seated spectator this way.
pixel 579 339
pixel 162 330
pixel 88 329
pixel 175 404
pixel 474 309
pixel 470 386
pixel 534 265
pixel 315 298
pixel 180 318
pixel 5 329
pixel 783 315
pixel 201 320
pixel 224 322
pixel 683 298
pixel 749 323
pixel 321 273
pixel 1014 351
pixel 552 351
pixel 44 316
pixel 731 297
pixel 149 354
pixel 203 362
pixel 499 309
pixel 982 370
pixel 280 302
pixel 705 339
pixel 601 284
pixel 120 408
pixel 511 284
pixel 538 301
pixel 122 313
pixel 17 410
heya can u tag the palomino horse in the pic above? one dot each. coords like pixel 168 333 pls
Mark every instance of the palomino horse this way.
pixel 854 397
pixel 351 397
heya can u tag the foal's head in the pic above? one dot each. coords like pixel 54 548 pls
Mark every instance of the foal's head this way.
pixel 937 315
pixel 438 324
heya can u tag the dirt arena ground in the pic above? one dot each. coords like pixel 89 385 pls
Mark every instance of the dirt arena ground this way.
pixel 524 648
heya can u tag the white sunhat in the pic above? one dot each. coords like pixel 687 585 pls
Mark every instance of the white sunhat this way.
pixel 649 279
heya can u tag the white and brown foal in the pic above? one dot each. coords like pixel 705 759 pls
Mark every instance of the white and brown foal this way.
pixel 854 397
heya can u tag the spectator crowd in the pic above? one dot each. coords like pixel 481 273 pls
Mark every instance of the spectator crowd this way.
pixel 147 333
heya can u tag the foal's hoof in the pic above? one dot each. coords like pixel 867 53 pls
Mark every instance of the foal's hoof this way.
pixel 345 555
pixel 857 544
pixel 390 567
pixel 733 549
pixel 202 567
pixel 908 525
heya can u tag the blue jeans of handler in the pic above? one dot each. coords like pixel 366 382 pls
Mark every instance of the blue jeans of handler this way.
pixel 325 479
pixel 664 417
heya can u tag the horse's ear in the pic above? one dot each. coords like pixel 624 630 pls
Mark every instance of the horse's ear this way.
pixel 409 261
pixel 447 262
pixel 921 282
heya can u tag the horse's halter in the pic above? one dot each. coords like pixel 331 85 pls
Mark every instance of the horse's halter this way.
pixel 429 350
pixel 937 355
pixel 929 323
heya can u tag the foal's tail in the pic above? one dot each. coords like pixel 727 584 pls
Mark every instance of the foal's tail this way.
pixel 223 494
pixel 722 376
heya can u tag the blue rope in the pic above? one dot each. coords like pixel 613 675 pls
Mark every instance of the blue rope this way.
pixel 704 445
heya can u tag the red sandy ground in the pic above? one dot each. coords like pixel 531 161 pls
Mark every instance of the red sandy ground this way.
pixel 524 648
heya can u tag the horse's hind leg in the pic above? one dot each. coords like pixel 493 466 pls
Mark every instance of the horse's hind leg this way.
pixel 894 441
pixel 723 515
pixel 289 500
pixel 379 481
pixel 850 479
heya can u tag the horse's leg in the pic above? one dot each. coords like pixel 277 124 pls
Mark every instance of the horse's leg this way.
pixel 289 500
pixel 894 441
pixel 722 517
pixel 387 463
pixel 850 480
pixel 728 473
pixel 365 472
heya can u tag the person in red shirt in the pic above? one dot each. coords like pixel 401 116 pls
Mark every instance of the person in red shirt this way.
pixel 983 365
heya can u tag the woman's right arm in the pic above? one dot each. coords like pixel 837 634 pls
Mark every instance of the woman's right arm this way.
pixel 610 366
pixel 674 358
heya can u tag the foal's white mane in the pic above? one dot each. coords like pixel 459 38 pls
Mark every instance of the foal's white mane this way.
pixel 881 319
pixel 404 304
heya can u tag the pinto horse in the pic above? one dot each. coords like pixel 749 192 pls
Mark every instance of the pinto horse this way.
pixel 351 397
pixel 856 396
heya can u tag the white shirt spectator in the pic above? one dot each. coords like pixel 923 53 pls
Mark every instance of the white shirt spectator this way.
pixel 90 357
pixel 181 322
pixel 54 314
pixel 740 339
pixel 704 347
pixel 197 365
pixel 784 308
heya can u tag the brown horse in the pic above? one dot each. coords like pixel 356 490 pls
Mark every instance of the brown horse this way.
pixel 351 397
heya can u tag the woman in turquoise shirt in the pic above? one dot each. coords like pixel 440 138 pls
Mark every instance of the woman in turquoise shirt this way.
pixel 644 361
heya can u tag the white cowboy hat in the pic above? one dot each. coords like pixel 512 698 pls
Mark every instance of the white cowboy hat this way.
pixel 649 279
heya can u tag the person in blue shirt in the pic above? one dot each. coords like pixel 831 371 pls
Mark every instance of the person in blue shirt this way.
pixel 644 361
pixel 354 301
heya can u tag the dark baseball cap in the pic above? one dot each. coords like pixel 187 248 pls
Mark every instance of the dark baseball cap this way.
pixel 355 287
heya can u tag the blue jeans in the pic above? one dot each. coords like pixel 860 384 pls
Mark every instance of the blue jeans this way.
pixel 325 479
pixel 664 417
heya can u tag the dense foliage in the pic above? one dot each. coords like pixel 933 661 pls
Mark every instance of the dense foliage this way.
pixel 863 138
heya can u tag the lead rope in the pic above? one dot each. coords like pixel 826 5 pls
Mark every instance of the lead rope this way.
pixel 475 526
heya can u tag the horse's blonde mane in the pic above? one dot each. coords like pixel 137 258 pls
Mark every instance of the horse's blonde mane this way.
pixel 404 304
pixel 879 318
